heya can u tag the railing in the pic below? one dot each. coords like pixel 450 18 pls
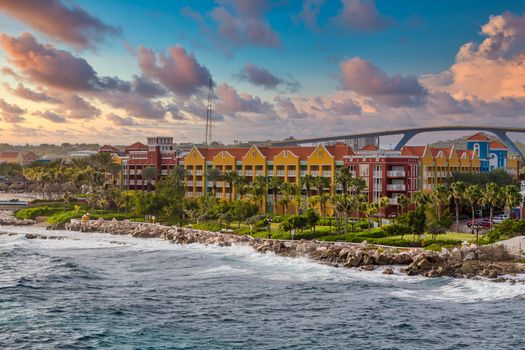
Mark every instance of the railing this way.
pixel 393 201
pixel 218 195
pixel 164 172
pixel 280 172
pixel 314 173
pixel 353 173
pixel 189 194
pixel 132 182
pixel 189 183
pixel 248 173
pixel 395 187
pixel 189 172
pixel 378 174
pixel 198 194
pixel 259 173
pixel 327 173
pixel 396 173
pixel 270 172
pixel 303 172
pixel 198 183
pixel 291 172
pixel 198 172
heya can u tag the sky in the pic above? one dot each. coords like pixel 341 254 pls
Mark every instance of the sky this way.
pixel 116 72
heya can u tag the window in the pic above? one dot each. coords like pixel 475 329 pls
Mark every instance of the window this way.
pixel 320 154
pixel 363 170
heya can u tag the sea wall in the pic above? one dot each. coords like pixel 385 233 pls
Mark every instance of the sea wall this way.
pixel 468 261
pixel 7 218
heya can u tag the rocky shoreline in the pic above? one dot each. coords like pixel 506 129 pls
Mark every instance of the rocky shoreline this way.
pixel 7 218
pixel 470 261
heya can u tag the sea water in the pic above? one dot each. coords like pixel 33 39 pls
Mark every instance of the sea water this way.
pixel 95 291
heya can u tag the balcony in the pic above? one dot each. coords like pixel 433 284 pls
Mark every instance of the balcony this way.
pixel 396 173
pixel 270 172
pixel 189 194
pixel 303 173
pixel 378 174
pixel 189 183
pixel 248 173
pixel 198 183
pixel 164 172
pixel 198 172
pixel 393 201
pixel 291 173
pixel 218 195
pixel 353 173
pixel 259 173
pixel 395 187
pixel 314 173
pixel 280 172
pixel 189 172
pixel 132 182
pixel 327 173
pixel 198 194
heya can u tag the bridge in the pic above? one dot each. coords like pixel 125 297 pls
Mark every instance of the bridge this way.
pixel 500 132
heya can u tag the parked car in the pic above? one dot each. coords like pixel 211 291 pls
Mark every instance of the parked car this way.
pixel 483 223
pixel 500 218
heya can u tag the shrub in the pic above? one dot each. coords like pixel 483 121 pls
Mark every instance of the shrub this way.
pixel 31 213
pixel 395 230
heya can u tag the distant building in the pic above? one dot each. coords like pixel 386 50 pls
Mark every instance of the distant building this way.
pixel 493 154
pixel 81 154
pixel 29 158
pixel 158 153
pixel 11 157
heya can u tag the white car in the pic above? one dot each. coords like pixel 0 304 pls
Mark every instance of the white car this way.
pixel 500 218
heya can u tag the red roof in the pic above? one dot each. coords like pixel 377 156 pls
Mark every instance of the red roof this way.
pixel 30 156
pixel 446 151
pixel 340 150
pixel 413 151
pixel 478 137
pixel 461 152
pixel 370 147
pixel 137 146
pixel 9 154
pixel 497 145
pixel 108 148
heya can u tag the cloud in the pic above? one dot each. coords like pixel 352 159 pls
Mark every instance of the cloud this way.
pixel 230 102
pixel 364 78
pixel 69 24
pixel 47 65
pixel 243 23
pixel 286 106
pixel 120 121
pixel 259 76
pixel 361 15
pixel 11 113
pixel 76 107
pixel 147 88
pixel 51 116
pixel 309 14
pixel 28 94
pixel 344 108
pixel 443 103
pixel 178 71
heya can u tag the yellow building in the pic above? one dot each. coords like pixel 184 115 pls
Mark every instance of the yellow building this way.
pixel 438 164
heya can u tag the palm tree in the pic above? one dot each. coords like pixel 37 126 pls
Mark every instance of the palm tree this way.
pixel 357 185
pixel 321 183
pixel 371 209
pixel 421 199
pixel 491 196
pixel 342 177
pixel 382 204
pixel 457 194
pixel 343 204
pixel 258 190
pixel 439 196
pixel 274 186
pixel 308 181
pixel 213 175
pixel 230 177
pixel 288 191
pixel 241 185
pixel 403 202
pixel 149 173
pixel 472 195
pixel 512 197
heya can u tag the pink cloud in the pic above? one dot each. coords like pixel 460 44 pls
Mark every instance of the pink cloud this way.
pixel 11 113
pixel 28 94
pixel 361 15
pixel 364 78
pixel 260 76
pixel 51 116
pixel 230 102
pixel 120 121
pixel 178 71
pixel 69 24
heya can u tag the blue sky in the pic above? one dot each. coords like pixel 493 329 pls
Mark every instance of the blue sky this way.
pixel 404 46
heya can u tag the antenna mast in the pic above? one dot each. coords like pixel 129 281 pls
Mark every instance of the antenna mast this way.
pixel 209 114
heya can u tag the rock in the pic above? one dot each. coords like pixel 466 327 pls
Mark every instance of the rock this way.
pixel 367 267
pixel 388 271
pixel 470 256
pixel 424 264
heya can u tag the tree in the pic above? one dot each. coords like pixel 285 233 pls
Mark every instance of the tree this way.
pixel 403 202
pixel 512 197
pixel 343 177
pixel 307 182
pixel 258 190
pixel 321 183
pixel 274 186
pixel 421 199
pixel 416 221
pixel 213 175
pixel 312 218
pixel 371 209
pixel 169 195
pixel 473 196
pixel 230 177
pixel 457 195
pixel 288 190
pixel 491 196
pixel 343 204
pixel 149 173
pixel 241 186
pixel 439 197
pixel 382 204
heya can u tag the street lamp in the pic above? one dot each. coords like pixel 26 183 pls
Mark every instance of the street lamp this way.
pixel 269 227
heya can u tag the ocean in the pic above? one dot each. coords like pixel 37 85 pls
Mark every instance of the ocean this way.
pixel 97 291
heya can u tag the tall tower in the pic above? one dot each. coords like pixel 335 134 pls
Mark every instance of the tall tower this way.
pixel 209 114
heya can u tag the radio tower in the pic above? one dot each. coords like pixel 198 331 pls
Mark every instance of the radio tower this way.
pixel 209 114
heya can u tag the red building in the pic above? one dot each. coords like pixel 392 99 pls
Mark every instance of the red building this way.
pixel 386 173
pixel 158 153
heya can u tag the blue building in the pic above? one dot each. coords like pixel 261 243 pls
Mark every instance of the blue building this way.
pixel 492 154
